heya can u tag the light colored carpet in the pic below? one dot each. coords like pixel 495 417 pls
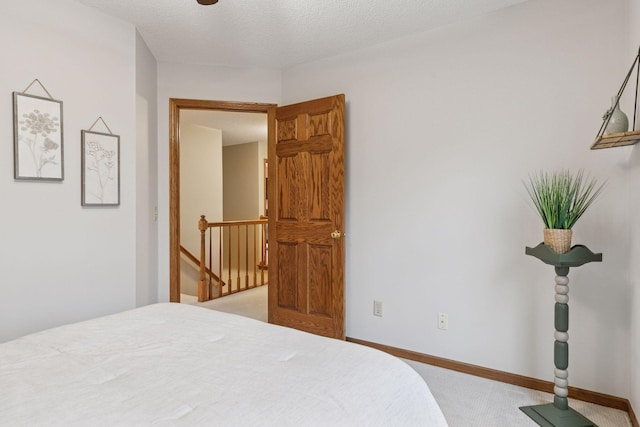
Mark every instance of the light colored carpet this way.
pixel 250 303
pixel 469 401
pixel 466 400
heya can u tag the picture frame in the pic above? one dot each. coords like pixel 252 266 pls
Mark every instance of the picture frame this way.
pixel 38 138
pixel 100 159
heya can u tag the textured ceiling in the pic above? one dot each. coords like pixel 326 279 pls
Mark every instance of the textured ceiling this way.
pixel 280 33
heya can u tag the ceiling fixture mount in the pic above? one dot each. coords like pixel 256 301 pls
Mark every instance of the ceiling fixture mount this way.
pixel 207 2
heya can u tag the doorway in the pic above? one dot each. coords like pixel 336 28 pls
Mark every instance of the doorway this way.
pixel 179 108
pixel 306 209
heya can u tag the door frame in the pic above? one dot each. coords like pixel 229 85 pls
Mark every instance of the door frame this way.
pixel 175 105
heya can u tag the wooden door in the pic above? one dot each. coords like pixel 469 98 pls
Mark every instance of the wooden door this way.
pixel 306 217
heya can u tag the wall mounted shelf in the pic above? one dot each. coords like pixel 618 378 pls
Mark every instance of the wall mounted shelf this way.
pixel 622 138
pixel 616 140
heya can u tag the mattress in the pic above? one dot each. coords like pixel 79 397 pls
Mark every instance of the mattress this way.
pixel 180 365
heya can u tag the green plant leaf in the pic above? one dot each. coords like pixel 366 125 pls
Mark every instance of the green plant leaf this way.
pixel 561 198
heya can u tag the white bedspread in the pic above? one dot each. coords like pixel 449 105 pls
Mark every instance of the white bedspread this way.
pixel 175 364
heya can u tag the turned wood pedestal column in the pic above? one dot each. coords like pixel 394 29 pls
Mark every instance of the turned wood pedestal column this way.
pixel 558 413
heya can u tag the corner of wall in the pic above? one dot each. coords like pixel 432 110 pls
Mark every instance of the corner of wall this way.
pixel 146 174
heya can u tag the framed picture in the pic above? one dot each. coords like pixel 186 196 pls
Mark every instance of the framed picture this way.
pixel 37 138
pixel 100 169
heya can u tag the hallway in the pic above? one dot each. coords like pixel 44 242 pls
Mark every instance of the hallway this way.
pixel 250 303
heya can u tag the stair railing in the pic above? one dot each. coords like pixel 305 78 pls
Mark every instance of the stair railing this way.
pixel 237 250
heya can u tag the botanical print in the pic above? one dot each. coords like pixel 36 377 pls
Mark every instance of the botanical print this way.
pixel 38 137
pixel 100 169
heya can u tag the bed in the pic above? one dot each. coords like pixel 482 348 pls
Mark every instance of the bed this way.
pixel 180 365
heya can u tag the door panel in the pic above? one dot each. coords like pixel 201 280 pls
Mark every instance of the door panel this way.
pixel 289 188
pixel 320 295
pixel 306 280
pixel 319 208
pixel 287 289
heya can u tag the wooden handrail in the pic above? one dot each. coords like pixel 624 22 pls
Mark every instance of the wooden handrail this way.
pixel 191 257
pixel 230 223
pixel 205 288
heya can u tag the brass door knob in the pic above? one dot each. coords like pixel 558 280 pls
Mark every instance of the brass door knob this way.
pixel 335 234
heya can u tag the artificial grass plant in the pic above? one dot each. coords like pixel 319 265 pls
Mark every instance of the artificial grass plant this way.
pixel 562 197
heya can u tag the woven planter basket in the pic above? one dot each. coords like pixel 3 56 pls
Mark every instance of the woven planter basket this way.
pixel 558 240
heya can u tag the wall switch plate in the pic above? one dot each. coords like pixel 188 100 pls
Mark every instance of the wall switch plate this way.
pixel 377 308
pixel 443 321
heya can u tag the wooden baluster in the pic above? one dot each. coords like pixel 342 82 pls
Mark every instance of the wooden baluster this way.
pixel 238 240
pixel 263 262
pixel 210 265
pixel 230 282
pixel 203 289
pixel 246 256
pixel 255 254
pixel 219 262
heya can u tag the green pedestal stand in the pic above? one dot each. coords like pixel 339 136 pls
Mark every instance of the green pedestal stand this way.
pixel 558 413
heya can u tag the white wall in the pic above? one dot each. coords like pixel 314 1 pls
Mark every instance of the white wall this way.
pixel 200 175
pixel 442 129
pixel 200 194
pixel 146 175
pixel 61 262
pixel 199 82
pixel 241 182
pixel 634 184
pixel 263 153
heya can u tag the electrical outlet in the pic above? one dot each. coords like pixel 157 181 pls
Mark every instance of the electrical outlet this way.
pixel 443 321
pixel 377 308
